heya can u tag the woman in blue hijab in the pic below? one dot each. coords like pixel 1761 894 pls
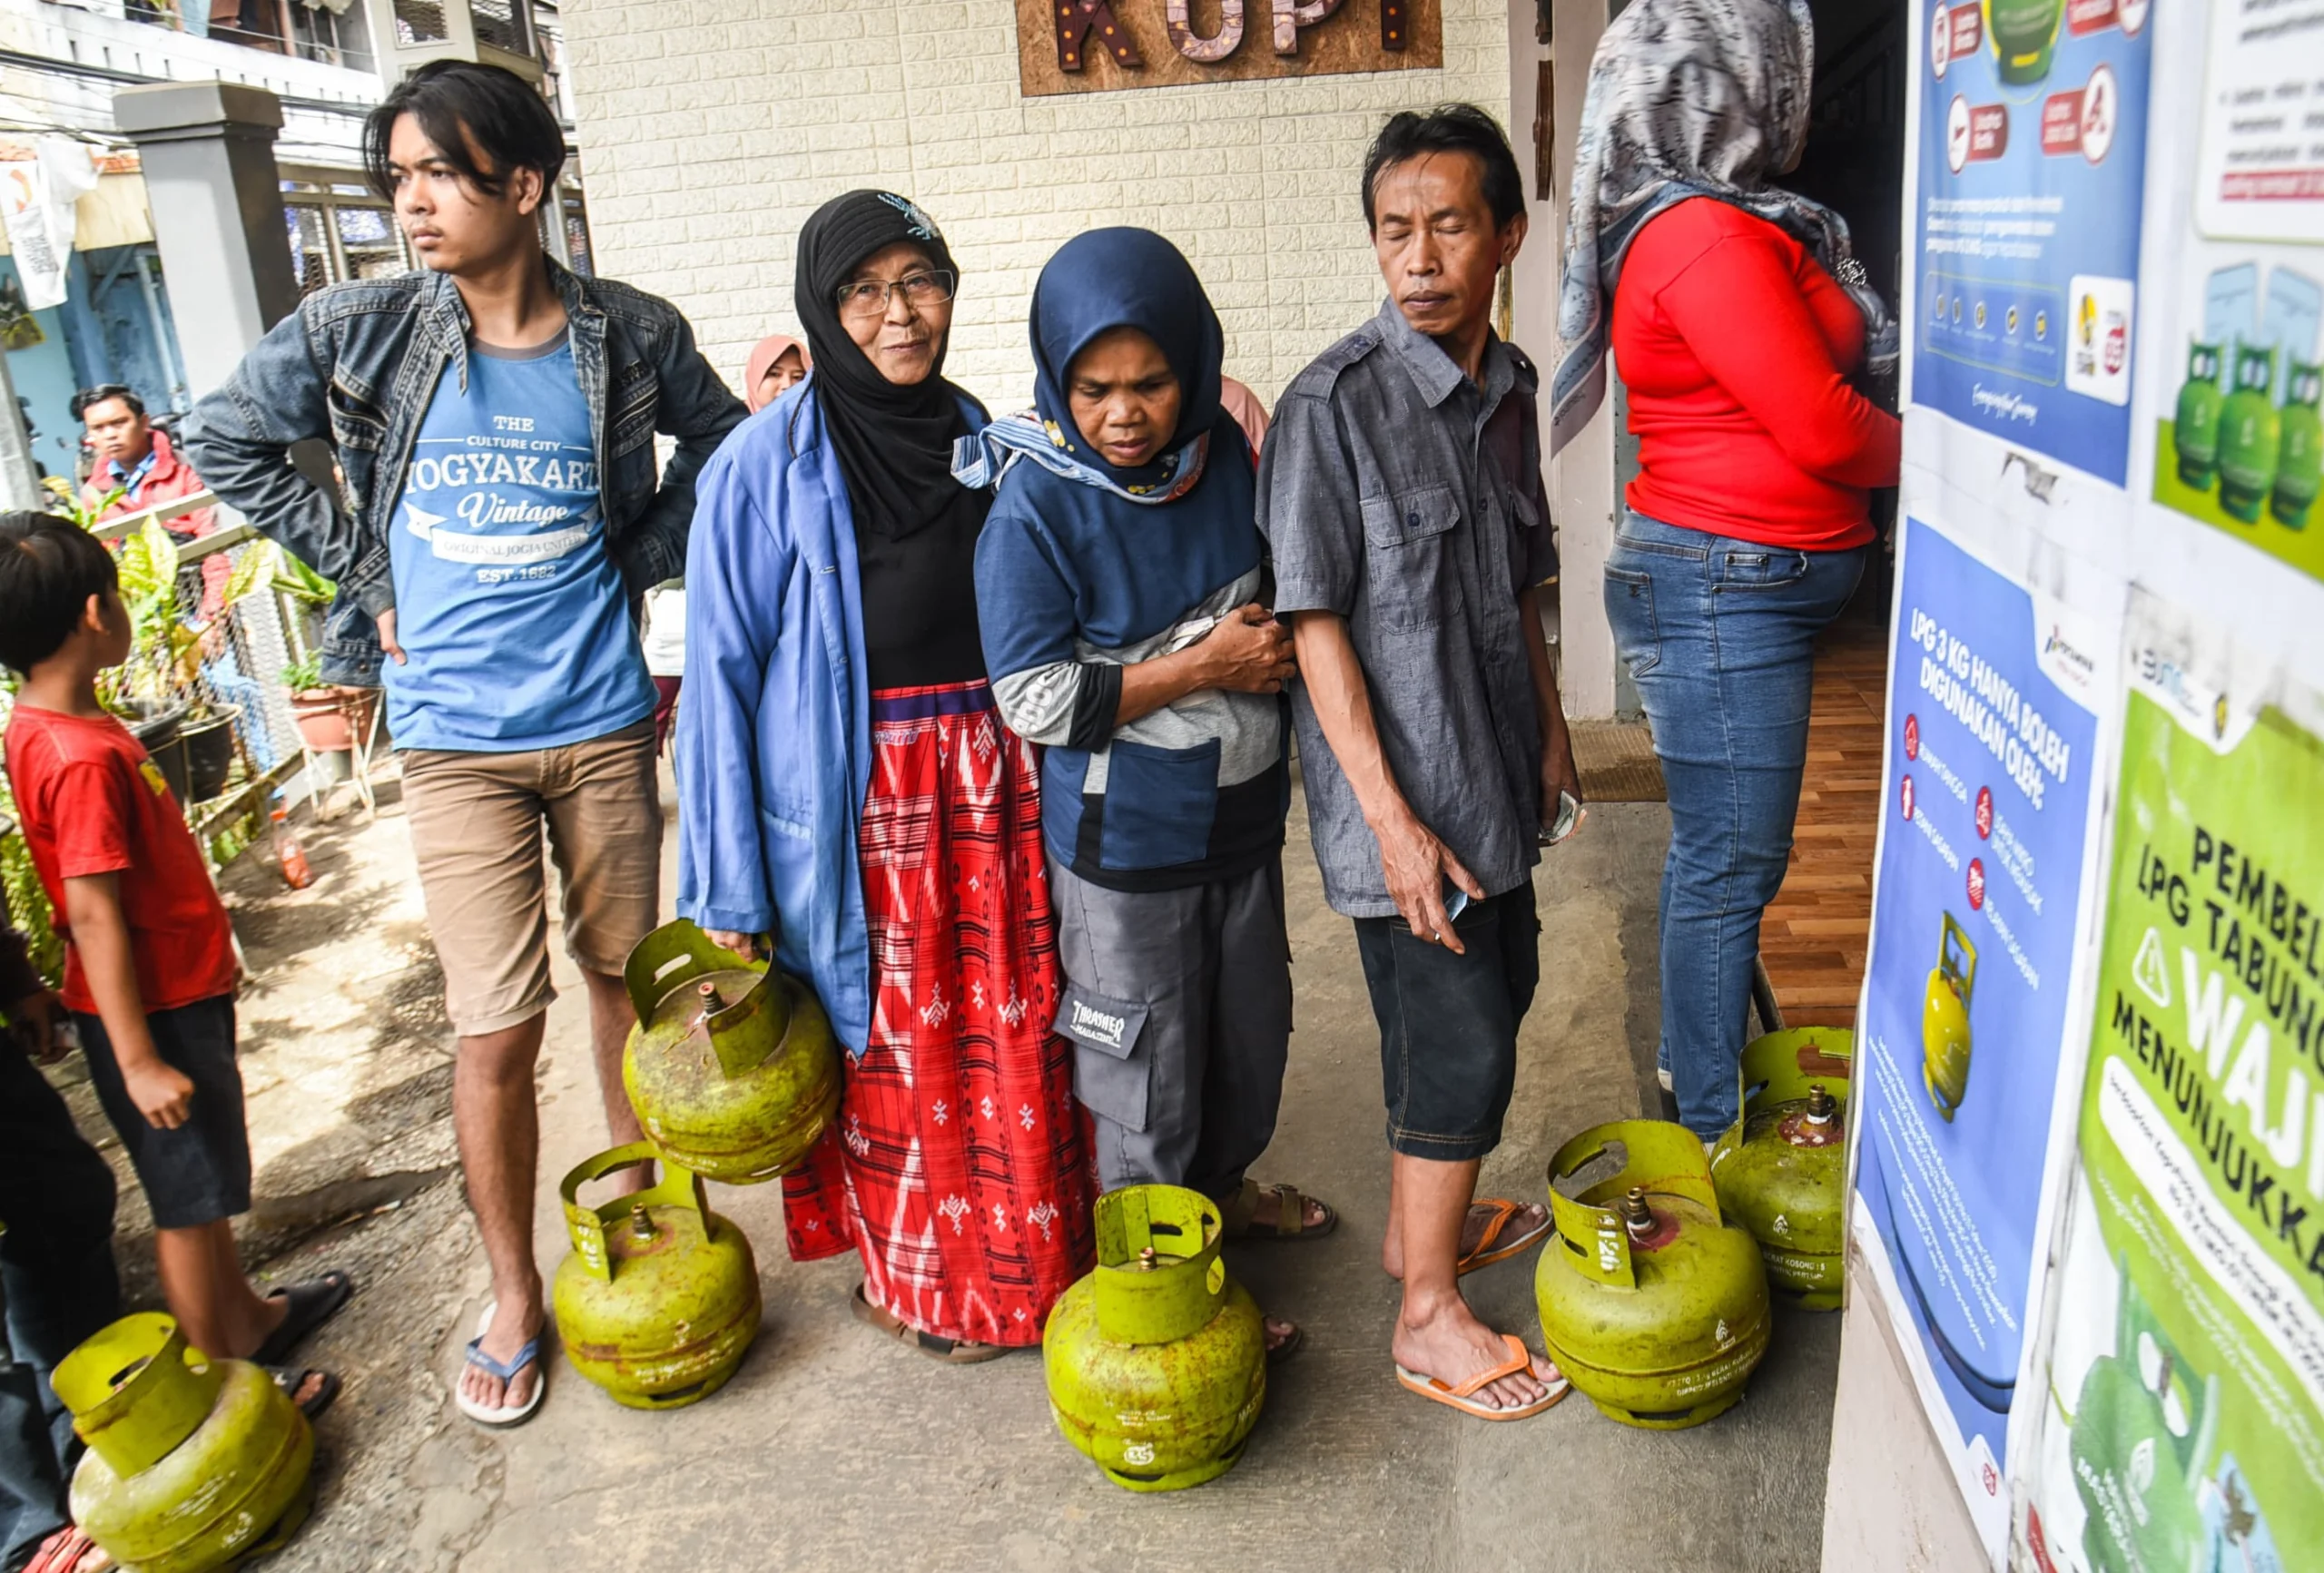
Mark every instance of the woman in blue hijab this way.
pixel 1120 592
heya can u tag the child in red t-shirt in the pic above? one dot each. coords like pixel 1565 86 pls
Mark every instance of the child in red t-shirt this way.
pixel 149 968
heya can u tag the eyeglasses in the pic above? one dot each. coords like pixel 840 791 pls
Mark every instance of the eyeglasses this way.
pixel 869 296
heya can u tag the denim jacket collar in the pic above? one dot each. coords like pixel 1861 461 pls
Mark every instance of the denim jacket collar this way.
pixel 446 318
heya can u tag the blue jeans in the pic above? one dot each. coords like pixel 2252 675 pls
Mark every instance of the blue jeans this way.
pixel 1719 635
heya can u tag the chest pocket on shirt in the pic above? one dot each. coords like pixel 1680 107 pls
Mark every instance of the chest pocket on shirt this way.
pixel 357 421
pixel 1406 538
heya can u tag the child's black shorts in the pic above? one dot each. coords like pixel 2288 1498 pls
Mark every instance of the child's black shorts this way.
pixel 200 1172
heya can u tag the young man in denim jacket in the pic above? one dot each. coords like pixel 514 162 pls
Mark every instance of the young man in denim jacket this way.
pixel 494 418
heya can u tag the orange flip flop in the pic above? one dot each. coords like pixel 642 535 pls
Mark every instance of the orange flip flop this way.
pixel 1463 1397
pixel 1491 1248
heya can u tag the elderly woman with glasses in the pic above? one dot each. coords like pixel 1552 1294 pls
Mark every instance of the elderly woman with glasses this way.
pixel 848 790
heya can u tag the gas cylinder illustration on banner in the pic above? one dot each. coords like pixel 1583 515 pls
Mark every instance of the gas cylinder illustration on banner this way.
pixel 2300 451
pixel 1157 1361
pixel 2142 1430
pixel 2194 434
pixel 2250 435
pixel 731 1066
pixel 1781 1168
pixel 659 1301
pixel 2025 35
pixel 194 1463
pixel 1945 1019
pixel 1653 1302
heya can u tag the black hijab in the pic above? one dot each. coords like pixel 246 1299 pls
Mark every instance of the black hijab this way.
pixel 894 443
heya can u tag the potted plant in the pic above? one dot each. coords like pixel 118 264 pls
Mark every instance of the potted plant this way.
pixel 333 718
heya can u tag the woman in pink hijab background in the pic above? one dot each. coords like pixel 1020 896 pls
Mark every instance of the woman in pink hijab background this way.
pixel 1243 404
pixel 779 361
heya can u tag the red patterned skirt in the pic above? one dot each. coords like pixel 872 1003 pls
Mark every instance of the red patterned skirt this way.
pixel 959 1166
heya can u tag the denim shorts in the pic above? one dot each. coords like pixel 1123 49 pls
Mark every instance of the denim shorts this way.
pixel 200 1172
pixel 1448 1024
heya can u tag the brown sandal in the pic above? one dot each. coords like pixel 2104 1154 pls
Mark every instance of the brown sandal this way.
pixel 950 1350
pixel 1290 1214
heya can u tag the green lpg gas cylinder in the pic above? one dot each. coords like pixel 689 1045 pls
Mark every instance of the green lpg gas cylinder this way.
pixel 2300 453
pixel 1156 1362
pixel 660 1299
pixel 1945 1019
pixel 2250 434
pixel 731 1067
pixel 194 1463
pixel 2194 434
pixel 2142 1432
pixel 1653 1302
pixel 2023 33
pixel 1781 1167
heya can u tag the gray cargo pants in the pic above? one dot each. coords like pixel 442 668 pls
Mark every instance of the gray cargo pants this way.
pixel 1179 1005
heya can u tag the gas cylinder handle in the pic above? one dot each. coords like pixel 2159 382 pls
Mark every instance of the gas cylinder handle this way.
pixel 138 1388
pixel 678 1187
pixel 1966 970
pixel 1158 1275
pixel 674 955
pixel 1662 1159
pixel 1781 1067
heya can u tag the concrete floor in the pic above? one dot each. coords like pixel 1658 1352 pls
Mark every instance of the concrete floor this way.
pixel 832 1448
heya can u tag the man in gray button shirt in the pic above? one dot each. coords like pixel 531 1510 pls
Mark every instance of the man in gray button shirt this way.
pixel 1401 491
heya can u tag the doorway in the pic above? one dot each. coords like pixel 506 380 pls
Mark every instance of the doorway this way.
pixel 1854 166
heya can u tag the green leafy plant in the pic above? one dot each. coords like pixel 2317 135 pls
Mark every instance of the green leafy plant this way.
pixel 304 674
pixel 164 653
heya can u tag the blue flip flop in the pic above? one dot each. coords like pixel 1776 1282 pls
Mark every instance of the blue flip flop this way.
pixel 504 1416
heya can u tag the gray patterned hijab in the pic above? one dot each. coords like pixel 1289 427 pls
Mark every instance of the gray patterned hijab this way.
pixel 1689 98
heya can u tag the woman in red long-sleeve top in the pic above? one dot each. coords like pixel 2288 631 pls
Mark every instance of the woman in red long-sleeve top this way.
pixel 1739 322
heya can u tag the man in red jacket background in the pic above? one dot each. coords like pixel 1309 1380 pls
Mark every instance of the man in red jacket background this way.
pixel 138 468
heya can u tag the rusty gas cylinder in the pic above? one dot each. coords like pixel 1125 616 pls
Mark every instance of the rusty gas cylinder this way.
pixel 194 1463
pixel 1157 1361
pixel 731 1067
pixel 1652 1303
pixel 1781 1168
pixel 659 1301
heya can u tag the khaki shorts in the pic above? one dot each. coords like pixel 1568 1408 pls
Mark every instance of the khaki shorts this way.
pixel 476 822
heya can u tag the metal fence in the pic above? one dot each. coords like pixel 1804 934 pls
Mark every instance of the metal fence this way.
pixel 230 672
pixel 219 663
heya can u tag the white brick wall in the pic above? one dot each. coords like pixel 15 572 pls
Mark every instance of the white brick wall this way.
pixel 710 130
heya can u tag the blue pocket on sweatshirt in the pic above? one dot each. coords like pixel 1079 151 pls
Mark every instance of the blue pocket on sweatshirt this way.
pixel 1160 805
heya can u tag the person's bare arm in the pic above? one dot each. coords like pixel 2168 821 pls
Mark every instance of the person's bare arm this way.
pixel 101 933
pixel 1558 771
pixel 1413 862
pixel 1247 651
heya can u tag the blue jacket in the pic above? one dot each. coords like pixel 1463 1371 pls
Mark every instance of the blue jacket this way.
pixel 775 735
pixel 1074 584
pixel 357 365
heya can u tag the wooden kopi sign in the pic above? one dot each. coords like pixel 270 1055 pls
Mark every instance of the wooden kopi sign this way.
pixel 1102 45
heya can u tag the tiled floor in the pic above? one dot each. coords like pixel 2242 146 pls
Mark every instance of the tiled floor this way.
pixel 1813 939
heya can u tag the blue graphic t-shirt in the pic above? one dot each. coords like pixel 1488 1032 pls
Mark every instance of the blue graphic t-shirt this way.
pixel 508 607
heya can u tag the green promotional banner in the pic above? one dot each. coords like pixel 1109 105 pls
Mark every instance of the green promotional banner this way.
pixel 2185 1427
